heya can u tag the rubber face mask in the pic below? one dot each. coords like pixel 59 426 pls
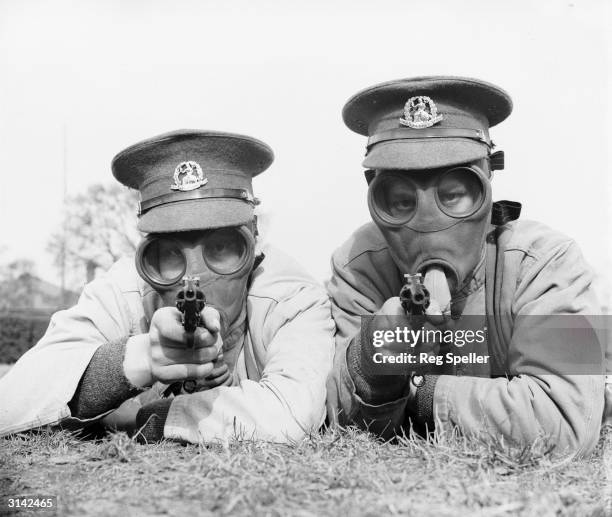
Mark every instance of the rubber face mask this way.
pixel 222 259
pixel 433 219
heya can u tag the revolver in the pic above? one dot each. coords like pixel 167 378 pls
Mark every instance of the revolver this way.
pixel 414 296
pixel 190 300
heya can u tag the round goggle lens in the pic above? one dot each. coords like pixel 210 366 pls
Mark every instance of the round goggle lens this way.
pixel 396 197
pixel 460 192
pixel 164 261
pixel 225 250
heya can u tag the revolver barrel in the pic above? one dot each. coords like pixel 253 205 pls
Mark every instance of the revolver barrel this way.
pixel 190 301
pixel 414 296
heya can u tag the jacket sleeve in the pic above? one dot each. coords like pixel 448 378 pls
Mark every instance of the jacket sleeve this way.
pixel 288 401
pixel 356 291
pixel 37 389
pixel 552 394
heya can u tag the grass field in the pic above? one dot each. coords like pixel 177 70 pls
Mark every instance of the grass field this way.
pixel 335 473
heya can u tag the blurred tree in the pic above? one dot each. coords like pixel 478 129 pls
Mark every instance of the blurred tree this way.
pixel 98 228
pixel 17 283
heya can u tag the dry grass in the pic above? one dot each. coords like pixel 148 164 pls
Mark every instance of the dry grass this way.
pixel 335 473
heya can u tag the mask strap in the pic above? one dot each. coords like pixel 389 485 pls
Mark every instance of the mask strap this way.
pixel 255 228
pixel 505 211
pixel 258 260
pixel 369 175
pixel 497 161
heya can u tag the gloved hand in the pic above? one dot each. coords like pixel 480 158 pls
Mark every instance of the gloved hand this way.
pixel 124 417
pixel 378 379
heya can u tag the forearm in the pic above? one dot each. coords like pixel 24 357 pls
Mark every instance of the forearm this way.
pixel 104 385
pixel 524 408
pixel 345 405
pixel 55 366
pixel 375 388
pixel 275 410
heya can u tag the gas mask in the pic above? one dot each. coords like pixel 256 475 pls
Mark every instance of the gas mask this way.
pixel 221 258
pixel 434 219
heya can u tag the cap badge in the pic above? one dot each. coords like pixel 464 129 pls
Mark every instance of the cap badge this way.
pixel 188 176
pixel 420 112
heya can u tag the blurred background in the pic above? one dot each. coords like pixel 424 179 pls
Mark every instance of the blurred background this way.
pixel 81 80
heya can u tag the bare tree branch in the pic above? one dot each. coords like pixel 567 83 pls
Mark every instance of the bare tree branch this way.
pixel 98 227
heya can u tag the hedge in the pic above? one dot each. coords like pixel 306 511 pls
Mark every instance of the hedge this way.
pixel 19 333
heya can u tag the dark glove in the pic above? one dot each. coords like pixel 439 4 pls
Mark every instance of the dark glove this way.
pixel 151 419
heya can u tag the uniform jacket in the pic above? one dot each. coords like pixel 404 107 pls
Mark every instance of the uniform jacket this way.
pixel 278 392
pixel 535 271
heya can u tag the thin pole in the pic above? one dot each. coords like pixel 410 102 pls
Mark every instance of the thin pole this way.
pixel 64 229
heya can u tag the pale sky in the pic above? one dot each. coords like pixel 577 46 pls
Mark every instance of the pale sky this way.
pixel 114 72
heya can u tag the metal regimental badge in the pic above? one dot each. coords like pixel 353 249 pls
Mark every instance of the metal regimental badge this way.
pixel 420 112
pixel 188 176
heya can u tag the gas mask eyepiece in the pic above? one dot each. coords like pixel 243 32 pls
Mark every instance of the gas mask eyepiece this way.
pixel 460 192
pixel 394 196
pixel 163 260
